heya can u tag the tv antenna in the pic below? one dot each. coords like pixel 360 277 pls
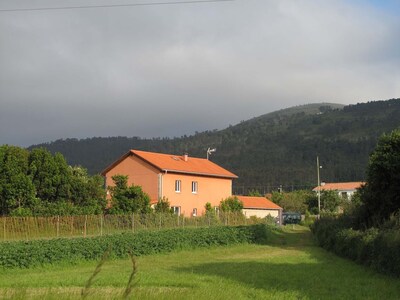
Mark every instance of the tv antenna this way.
pixel 210 151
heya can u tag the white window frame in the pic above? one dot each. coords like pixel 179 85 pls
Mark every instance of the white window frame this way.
pixel 194 213
pixel 178 184
pixel 195 187
pixel 176 210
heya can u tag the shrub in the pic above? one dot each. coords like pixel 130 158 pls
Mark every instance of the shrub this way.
pixel 25 254
pixel 379 248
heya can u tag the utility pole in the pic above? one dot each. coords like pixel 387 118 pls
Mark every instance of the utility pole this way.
pixel 319 188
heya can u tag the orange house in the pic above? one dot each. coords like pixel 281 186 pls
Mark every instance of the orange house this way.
pixel 187 182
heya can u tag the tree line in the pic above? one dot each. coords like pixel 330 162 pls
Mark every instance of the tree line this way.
pixel 275 149
pixel 38 183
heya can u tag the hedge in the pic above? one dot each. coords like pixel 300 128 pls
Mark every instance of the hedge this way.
pixel 379 249
pixel 26 254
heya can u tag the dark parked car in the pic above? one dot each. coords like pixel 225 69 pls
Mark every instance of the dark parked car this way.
pixel 291 218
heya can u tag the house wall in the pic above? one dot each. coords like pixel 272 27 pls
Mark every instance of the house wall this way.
pixel 260 213
pixel 349 193
pixel 139 173
pixel 210 189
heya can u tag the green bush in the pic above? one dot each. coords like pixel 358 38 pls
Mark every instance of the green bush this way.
pixel 379 248
pixel 25 254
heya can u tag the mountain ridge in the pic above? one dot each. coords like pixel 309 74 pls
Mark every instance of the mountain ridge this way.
pixel 277 148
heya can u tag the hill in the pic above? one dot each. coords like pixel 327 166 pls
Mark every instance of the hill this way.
pixel 279 148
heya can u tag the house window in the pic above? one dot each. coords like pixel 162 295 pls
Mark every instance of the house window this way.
pixel 177 186
pixel 344 195
pixel 176 210
pixel 194 187
pixel 194 213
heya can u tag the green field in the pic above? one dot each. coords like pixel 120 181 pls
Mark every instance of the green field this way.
pixel 291 268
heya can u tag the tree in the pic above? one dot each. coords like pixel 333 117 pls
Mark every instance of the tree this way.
pixel 330 201
pixel 16 188
pixel 50 175
pixel 162 206
pixel 381 193
pixel 231 204
pixel 296 201
pixel 87 192
pixel 126 199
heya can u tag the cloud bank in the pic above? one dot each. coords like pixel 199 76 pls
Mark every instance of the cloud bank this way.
pixel 169 70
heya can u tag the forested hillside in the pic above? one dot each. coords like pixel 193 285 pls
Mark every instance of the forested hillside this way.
pixel 278 148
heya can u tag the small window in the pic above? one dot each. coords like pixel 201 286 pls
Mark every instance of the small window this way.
pixel 194 213
pixel 176 210
pixel 194 187
pixel 177 186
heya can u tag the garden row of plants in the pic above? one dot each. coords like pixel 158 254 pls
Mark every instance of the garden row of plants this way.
pixel 26 254
pixel 377 248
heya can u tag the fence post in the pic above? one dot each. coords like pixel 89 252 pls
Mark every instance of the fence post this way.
pixel 101 225
pixel 133 222
pixel 4 228
pixel 58 226
pixel 84 228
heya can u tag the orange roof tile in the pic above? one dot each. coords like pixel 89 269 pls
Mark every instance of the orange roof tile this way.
pixel 257 202
pixel 340 186
pixel 177 164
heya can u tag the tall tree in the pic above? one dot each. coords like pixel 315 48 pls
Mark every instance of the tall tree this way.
pixel 16 188
pixel 381 194
pixel 50 175
pixel 127 199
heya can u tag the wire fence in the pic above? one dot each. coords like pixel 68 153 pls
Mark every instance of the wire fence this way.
pixel 30 228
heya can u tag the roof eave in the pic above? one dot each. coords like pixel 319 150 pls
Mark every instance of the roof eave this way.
pixel 104 172
pixel 200 174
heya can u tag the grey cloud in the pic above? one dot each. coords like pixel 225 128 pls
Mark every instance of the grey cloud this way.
pixel 173 70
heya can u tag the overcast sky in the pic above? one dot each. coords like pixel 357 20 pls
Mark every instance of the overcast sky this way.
pixel 170 70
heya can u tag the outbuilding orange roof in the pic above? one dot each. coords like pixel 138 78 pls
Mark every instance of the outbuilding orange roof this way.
pixel 178 164
pixel 340 186
pixel 257 202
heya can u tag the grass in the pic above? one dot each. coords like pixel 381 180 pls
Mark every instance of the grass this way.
pixel 291 268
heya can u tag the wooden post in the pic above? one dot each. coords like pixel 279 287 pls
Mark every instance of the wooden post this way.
pixel 101 225
pixel 58 226
pixel 84 227
pixel 133 222
pixel 72 225
pixel 4 228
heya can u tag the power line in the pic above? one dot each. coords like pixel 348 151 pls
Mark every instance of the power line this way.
pixel 113 5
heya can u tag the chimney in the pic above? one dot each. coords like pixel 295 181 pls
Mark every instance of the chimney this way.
pixel 185 157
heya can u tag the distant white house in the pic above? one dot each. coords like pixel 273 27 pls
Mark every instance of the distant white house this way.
pixel 344 189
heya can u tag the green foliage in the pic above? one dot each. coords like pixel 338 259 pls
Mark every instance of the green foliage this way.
pixel 126 199
pixel 330 201
pixel 381 194
pixel 162 206
pixel 208 207
pixel 296 201
pixel 38 183
pixel 41 252
pixel 379 249
pixel 254 193
pixel 286 141
pixel 16 188
pixel 231 204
